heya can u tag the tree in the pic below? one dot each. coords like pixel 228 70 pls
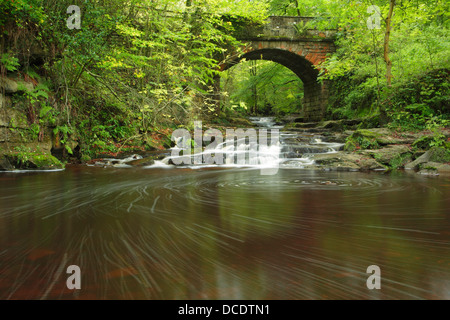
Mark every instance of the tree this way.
pixel 386 43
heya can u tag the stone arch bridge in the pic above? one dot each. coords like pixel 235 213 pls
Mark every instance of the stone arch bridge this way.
pixel 288 41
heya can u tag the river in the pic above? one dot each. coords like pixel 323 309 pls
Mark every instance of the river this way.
pixel 164 232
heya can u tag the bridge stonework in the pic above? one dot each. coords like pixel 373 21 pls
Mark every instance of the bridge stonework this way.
pixel 288 41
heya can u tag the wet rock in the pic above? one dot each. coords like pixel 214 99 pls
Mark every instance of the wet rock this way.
pixel 13 118
pixel 440 155
pixel 340 137
pixel 146 161
pixel 13 86
pixel 343 161
pixel 142 162
pixel 307 149
pixel 370 164
pixel 439 167
pixel 5 165
pixel 332 125
pixel 362 139
pixel 429 168
pixel 31 160
pixel 388 154
pixel 301 125
pixel 242 122
pixel 149 158
pixel 386 140
pixel 4 102
pixel 429 172
pixel 336 161
pixel 435 154
pixel 293 117
pixel 134 159
pixel 383 136
pixel 298 164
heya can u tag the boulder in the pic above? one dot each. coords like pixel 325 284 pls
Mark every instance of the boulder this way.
pixel 4 102
pixel 388 154
pixel 440 167
pixel 31 160
pixel 435 154
pixel 13 118
pixel 13 86
pixel 343 161
pixel 301 125
pixel 5 165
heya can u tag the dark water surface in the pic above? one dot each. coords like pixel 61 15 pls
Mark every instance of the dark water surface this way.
pixel 223 234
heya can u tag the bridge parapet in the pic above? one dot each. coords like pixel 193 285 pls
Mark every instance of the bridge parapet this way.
pixel 285 28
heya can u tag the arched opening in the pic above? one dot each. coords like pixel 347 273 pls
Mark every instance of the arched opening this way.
pixel 310 93
pixel 260 87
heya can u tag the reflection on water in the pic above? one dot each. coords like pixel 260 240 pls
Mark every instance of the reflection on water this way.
pixel 223 234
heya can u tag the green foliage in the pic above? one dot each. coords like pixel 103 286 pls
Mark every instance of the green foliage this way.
pixel 400 160
pixel 419 44
pixel 138 65
pixel 302 27
pixel 422 103
pixel 350 99
pixel 10 62
pixel 440 155
pixel 40 91
pixel 132 65
pixel 20 13
pixel 438 139
pixel 27 158
pixel 361 139
pixel 261 87
pixel 64 131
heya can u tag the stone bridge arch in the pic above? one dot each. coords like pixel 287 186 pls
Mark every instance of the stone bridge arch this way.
pixel 300 51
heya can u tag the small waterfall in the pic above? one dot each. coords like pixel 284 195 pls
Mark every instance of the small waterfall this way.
pixel 295 149
pixel 261 147
pixel 243 148
pixel 255 149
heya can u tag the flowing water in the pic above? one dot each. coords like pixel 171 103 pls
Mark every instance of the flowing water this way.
pixel 221 232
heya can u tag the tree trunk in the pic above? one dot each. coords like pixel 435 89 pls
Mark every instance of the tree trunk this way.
pixel 253 73
pixel 298 10
pixel 386 43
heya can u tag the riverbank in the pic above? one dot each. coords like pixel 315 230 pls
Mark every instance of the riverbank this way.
pixel 376 149
pixel 383 149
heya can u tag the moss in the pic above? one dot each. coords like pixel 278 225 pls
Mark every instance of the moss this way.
pixel 427 167
pixel 332 125
pixel 440 155
pixel 367 133
pixel 85 158
pixel 350 145
pixel 362 139
pixel 370 122
pixel 436 140
pixel 241 122
pixel 400 160
pixel 32 160
pixel 300 125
